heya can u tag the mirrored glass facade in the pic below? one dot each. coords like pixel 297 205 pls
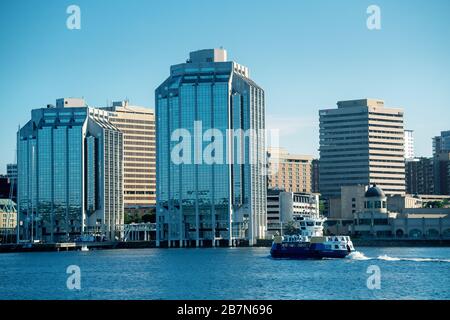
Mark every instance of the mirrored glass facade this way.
pixel 202 203
pixel 69 175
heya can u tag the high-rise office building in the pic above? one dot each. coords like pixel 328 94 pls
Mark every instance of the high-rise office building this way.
pixel 441 150
pixel 11 172
pixel 289 172
pixel 70 179
pixel 219 200
pixel 139 165
pixel 441 143
pixel 361 142
pixel 315 176
pixel 442 167
pixel 409 144
pixel 419 176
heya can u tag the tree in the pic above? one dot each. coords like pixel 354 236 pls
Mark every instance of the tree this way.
pixel 132 218
pixel 434 204
pixel 290 228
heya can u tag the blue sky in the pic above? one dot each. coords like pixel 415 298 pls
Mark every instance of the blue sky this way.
pixel 305 54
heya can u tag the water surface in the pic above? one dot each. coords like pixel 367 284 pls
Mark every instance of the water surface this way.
pixel 225 273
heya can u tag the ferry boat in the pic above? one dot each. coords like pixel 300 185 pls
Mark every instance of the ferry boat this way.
pixel 311 243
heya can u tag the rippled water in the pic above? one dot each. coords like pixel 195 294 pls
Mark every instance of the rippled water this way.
pixel 225 273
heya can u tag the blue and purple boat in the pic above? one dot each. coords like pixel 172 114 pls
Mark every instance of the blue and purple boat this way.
pixel 311 243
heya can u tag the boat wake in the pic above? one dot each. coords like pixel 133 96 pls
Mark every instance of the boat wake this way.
pixel 356 255
pixel 388 258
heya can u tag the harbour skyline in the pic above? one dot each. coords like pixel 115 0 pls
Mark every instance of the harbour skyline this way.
pixel 303 145
pixel 309 50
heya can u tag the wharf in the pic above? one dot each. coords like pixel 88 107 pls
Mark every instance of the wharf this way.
pixel 72 246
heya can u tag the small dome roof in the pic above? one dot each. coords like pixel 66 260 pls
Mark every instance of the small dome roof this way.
pixel 374 192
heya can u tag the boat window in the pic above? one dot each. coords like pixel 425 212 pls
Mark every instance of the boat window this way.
pixel 310 224
pixel 318 223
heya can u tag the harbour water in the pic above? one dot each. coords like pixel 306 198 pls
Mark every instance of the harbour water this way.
pixel 225 273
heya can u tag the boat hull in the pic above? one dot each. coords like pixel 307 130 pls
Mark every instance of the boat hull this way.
pixel 312 251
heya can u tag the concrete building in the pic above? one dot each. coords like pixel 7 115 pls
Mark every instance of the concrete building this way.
pixel 284 207
pixel 361 142
pixel 218 200
pixel 426 198
pixel 8 216
pixel 290 172
pixel 398 203
pixel 442 173
pixel 11 172
pixel 70 179
pixel 419 176
pixel 409 144
pixel 399 217
pixel 139 164
pixel 340 211
pixel 441 151
pixel 441 143
pixel 374 218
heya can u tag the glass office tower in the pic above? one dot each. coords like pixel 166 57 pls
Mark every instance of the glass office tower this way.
pixel 70 179
pixel 201 202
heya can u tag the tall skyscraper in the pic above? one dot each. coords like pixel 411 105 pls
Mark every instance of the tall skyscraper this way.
pixel 139 166
pixel 441 143
pixel 409 144
pixel 420 176
pixel 289 172
pixel 221 199
pixel 361 142
pixel 70 179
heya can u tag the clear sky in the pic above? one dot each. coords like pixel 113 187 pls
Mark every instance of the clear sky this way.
pixel 305 54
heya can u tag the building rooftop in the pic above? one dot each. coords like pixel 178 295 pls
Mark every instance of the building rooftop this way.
pixel 70 103
pixel 208 55
pixel 361 102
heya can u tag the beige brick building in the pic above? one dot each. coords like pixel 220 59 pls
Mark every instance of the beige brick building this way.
pixel 361 142
pixel 290 172
pixel 138 126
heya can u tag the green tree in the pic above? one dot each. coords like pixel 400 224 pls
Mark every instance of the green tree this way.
pixel 290 228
